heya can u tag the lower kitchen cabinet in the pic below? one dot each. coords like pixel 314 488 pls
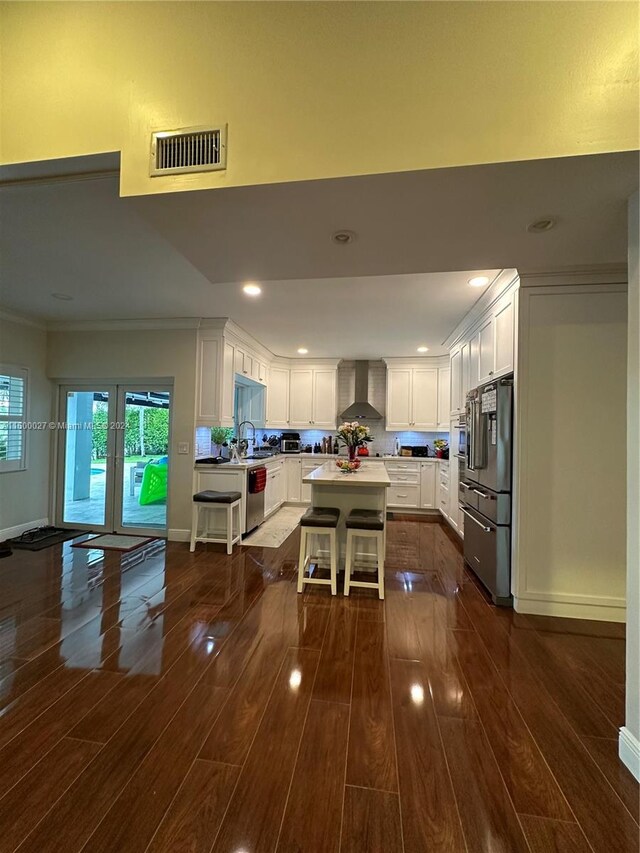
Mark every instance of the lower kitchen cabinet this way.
pixel 293 478
pixel 275 487
pixel 404 490
pixel 428 471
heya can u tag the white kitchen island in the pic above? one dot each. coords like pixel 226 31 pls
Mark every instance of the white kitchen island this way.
pixel 364 489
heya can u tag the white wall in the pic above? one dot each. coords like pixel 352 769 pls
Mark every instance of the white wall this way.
pixel 630 734
pixel 570 555
pixel 141 355
pixel 24 495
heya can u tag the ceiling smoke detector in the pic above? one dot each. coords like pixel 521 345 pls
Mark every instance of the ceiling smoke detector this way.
pixel 541 225
pixel 342 238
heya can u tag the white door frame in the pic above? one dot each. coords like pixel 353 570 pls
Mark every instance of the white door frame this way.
pixel 115 468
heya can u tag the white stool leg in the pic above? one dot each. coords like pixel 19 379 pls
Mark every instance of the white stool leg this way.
pixel 380 548
pixel 347 561
pixel 194 526
pixel 334 562
pixel 229 529
pixel 302 558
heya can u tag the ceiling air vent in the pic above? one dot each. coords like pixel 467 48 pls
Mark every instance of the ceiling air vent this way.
pixel 192 149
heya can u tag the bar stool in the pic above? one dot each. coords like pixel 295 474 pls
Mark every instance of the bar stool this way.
pixel 209 500
pixel 368 524
pixel 318 521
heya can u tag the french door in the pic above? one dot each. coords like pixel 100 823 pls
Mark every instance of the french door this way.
pixel 113 457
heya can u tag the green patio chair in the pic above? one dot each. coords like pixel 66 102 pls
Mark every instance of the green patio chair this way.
pixel 154 483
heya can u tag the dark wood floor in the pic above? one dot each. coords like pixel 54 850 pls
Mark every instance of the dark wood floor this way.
pixel 162 701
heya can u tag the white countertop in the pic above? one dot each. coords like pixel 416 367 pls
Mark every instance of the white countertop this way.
pixel 366 475
pixel 307 457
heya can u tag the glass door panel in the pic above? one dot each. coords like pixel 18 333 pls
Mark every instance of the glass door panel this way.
pixel 87 448
pixel 142 457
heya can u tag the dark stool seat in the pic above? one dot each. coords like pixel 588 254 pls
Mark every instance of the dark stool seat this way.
pixel 321 516
pixel 210 497
pixel 365 519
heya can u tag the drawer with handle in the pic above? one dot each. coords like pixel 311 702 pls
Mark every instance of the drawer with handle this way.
pixel 402 466
pixel 402 477
pixel 401 495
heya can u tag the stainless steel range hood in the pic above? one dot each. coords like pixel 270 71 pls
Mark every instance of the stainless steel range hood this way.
pixel 361 409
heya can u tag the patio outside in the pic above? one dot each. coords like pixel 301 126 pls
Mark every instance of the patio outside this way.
pixel 146 442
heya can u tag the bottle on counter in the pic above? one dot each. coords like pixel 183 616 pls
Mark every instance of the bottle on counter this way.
pixel 330 445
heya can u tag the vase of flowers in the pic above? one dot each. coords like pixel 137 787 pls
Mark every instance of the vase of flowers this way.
pixel 354 435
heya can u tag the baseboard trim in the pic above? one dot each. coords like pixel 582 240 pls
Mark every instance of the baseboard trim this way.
pixel 629 751
pixel 18 529
pixel 570 610
pixel 178 535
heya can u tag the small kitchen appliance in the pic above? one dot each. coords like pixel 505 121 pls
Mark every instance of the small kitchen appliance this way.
pixel 290 442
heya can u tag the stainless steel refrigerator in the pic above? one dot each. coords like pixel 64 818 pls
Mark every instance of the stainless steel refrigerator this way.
pixel 485 486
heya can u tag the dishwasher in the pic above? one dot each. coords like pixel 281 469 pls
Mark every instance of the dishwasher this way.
pixel 256 483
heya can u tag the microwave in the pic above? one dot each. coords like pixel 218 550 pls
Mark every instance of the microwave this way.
pixel 290 445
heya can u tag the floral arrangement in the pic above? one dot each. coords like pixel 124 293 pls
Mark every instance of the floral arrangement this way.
pixel 348 466
pixel 354 435
pixel 441 446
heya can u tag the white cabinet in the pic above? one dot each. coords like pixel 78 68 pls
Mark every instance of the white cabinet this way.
pixel 412 398
pixel 259 371
pixel 214 380
pixel 465 380
pixel 425 399
pixel 399 412
pixel 428 472
pixel 455 366
pixel 444 398
pixel 504 321
pixel 485 338
pixel 301 398
pixel 274 489
pixel 312 398
pixel 243 362
pixel 324 398
pixel 293 469
pixel 404 490
pixel 278 398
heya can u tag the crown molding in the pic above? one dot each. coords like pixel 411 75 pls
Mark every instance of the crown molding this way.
pixel 10 317
pixel 614 274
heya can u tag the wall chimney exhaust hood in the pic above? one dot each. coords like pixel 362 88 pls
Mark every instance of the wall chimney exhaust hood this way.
pixel 361 409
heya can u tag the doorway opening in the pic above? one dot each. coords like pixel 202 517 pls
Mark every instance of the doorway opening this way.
pixel 113 472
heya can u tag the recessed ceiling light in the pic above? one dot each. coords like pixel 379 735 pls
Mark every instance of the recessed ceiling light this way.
pixel 541 225
pixel 64 297
pixel 423 349
pixel 479 280
pixel 342 238
pixel 252 289
pixel 302 351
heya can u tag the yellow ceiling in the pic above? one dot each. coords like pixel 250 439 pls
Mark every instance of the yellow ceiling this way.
pixel 312 89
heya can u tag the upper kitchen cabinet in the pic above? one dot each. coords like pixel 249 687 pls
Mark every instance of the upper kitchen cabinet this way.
pixel 313 397
pixel 504 319
pixel 325 398
pixel 278 398
pixel 223 355
pixel 301 398
pixel 414 398
pixel 456 381
pixel 444 397
pixel 483 346
pixel 214 379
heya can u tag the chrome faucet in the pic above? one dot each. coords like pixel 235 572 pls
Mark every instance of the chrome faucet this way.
pixel 253 440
